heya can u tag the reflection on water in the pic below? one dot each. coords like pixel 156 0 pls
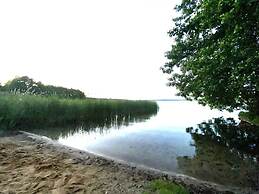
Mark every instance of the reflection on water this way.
pixel 225 152
pixel 98 127
pixel 219 150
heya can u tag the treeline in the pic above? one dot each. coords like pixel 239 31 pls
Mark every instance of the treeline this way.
pixel 26 85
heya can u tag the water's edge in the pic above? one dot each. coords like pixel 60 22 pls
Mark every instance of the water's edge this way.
pixel 196 185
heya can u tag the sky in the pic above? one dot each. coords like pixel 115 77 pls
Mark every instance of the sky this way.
pixel 108 49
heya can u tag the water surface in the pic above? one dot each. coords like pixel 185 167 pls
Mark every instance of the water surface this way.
pixel 220 150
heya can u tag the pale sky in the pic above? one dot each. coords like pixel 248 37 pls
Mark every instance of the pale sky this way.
pixel 110 49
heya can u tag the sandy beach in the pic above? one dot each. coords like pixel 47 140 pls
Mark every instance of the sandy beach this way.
pixel 33 164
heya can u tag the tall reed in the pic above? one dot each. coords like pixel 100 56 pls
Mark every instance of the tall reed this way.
pixel 21 111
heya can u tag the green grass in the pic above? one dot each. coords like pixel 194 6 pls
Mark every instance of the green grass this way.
pixel 20 111
pixel 165 187
pixel 250 118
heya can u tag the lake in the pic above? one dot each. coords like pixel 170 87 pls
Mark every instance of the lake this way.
pixel 183 138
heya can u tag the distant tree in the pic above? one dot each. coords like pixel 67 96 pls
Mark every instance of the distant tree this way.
pixel 22 84
pixel 215 56
pixel 27 85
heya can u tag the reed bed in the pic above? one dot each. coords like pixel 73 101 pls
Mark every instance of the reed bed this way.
pixel 28 111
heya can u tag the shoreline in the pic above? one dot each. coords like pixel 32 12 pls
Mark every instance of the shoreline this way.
pixel 56 168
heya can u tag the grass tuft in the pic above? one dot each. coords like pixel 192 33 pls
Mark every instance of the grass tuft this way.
pixel 165 187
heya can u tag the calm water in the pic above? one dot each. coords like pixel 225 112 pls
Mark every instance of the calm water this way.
pixel 220 150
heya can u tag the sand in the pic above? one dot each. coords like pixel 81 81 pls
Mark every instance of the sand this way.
pixel 32 164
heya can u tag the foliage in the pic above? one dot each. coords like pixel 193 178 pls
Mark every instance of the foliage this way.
pixel 215 56
pixel 28 111
pixel 249 117
pixel 165 187
pixel 27 85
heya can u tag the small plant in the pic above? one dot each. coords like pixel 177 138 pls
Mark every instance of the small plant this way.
pixel 165 187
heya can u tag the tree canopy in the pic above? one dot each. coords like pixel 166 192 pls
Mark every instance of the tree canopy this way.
pixel 215 55
pixel 27 85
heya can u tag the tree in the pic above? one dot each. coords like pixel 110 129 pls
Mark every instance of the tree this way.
pixel 22 84
pixel 27 85
pixel 215 55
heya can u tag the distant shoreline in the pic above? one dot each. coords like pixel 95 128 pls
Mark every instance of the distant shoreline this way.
pixel 169 100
